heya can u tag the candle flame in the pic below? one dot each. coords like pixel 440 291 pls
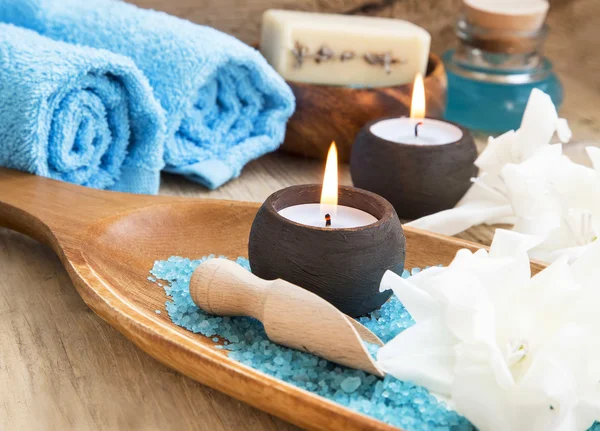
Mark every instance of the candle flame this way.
pixel 329 193
pixel 417 107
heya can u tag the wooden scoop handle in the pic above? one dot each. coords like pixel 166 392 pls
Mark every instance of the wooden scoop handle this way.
pixel 57 213
pixel 224 288
pixel 291 316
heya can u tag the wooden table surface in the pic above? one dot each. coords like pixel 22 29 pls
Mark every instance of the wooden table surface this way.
pixel 62 367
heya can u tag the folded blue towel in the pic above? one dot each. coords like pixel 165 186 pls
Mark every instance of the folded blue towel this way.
pixel 77 114
pixel 225 105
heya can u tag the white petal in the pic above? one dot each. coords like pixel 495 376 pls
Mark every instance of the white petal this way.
pixel 469 314
pixel 482 252
pixel 538 124
pixel 546 397
pixel 510 244
pixel 485 188
pixel 478 397
pixel 577 348
pixel 483 356
pixel 563 131
pixel 498 152
pixel 422 354
pixel 481 204
pixel 490 270
pixel 555 284
pixel 570 370
pixel 573 185
pixel 540 225
pixel 456 220
pixel 594 155
pixel 588 410
pixel 548 254
pixel 417 302
pixel 499 276
pixel 529 191
pixel 423 279
pixel 586 269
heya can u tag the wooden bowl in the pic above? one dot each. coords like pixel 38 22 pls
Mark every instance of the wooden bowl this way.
pixel 417 179
pixel 326 113
pixel 343 266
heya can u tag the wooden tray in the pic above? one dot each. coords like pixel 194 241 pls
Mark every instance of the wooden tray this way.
pixel 109 241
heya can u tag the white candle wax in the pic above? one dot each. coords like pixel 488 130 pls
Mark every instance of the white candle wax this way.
pixel 431 132
pixel 341 216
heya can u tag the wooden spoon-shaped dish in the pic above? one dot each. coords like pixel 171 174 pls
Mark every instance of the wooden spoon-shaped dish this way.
pixel 108 242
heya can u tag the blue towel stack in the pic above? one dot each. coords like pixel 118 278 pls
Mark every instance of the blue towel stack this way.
pixel 77 114
pixel 224 104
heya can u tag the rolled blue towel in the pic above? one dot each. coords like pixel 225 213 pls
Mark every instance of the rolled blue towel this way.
pixel 225 105
pixel 77 114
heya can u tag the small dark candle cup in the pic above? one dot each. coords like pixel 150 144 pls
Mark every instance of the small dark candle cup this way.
pixel 417 179
pixel 342 265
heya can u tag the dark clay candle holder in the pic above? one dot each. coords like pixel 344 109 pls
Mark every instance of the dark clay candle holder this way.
pixel 417 179
pixel 342 265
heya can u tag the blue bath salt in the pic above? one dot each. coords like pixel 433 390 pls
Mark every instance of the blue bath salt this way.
pixel 396 402
pixel 350 384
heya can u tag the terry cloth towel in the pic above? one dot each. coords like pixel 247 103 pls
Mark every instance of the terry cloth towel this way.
pixel 225 105
pixel 77 114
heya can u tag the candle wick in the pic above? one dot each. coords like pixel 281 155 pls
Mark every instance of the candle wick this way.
pixel 327 220
pixel 420 123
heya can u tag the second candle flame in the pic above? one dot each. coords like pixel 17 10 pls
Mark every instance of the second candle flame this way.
pixel 329 193
pixel 417 106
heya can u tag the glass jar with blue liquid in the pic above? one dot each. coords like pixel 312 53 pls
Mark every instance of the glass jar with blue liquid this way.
pixel 492 73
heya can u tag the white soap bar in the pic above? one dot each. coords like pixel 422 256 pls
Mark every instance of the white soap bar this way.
pixel 343 50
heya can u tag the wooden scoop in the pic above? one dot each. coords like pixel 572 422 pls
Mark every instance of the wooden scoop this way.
pixel 292 316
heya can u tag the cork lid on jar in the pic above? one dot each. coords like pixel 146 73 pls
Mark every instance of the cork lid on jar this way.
pixel 507 15
pixel 510 26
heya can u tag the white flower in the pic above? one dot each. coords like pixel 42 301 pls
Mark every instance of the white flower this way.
pixel 509 351
pixel 529 183
pixel 557 199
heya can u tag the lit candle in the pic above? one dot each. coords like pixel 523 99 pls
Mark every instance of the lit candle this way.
pixel 417 129
pixel 333 240
pixel 328 214
pixel 420 165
